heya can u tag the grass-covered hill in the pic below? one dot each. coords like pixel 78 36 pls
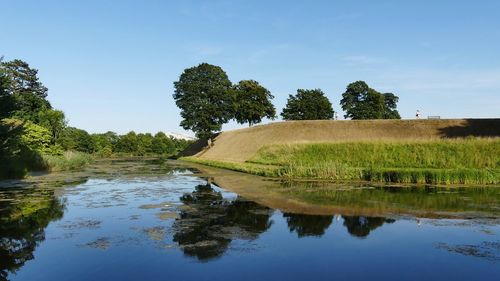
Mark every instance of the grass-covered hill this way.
pixel 241 145
pixel 465 151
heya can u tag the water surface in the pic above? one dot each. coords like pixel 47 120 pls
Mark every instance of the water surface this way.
pixel 153 220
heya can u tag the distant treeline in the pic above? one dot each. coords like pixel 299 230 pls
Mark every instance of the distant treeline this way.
pixel 35 136
pixel 110 143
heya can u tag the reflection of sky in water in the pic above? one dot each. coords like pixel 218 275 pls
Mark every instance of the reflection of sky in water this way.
pixel 177 227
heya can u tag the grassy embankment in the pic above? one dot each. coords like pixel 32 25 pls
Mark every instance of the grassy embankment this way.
pixel 459 161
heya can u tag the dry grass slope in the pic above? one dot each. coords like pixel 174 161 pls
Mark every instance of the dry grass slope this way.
pixel 241 145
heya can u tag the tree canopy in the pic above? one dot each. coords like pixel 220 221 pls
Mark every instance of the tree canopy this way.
pixel 253 102
pixel 390 105
pixel 204 95
pixel 77 139
pixel 28 93
pixel 6 100
pixel 54 121
pixel 359 101
pixel 308 105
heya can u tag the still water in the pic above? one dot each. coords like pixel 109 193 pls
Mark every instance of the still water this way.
pixel 154 220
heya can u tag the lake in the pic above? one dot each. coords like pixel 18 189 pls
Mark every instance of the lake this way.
pixel 147 219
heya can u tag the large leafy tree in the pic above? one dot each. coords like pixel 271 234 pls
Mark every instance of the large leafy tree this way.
pixel 55 121
pixel 308 105
pixel 28 93
pixel 204 95
pixel 390 105
pixel 128 143
pixel 6 100
pixel 253 102
pixel 144 144
pixel 76 139
pixel 162 144
pixel 106 141
pixel 359 101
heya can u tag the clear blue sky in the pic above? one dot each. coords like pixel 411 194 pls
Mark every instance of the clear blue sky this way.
pixel 110 65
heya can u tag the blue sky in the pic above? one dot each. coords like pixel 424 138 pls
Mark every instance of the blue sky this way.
pixel 110 65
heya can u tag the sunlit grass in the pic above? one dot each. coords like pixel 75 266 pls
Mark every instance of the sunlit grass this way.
pixel 459 161
pixel 70 160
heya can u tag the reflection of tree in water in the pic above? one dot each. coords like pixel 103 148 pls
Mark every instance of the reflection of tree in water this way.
pixel 361 226
pixel 208 222
pixel 23 218
pixel 308 225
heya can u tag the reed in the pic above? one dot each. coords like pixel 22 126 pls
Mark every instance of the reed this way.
pixel 70 160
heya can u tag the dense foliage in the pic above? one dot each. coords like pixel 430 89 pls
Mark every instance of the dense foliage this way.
pixel 28 93
pixel 204 95
pixel 253 102
pixel 359 101
pixel 6 100
pixel 308 105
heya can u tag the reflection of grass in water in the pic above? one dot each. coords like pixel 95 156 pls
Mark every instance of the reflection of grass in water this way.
pixel 386 199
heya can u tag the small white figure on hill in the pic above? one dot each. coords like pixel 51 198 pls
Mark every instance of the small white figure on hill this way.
pixel 335 116
pixel 209 142
pixel 417 114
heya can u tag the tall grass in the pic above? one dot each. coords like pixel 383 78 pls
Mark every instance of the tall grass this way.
pixel 438 154
pixel 70 160
pixel 462 161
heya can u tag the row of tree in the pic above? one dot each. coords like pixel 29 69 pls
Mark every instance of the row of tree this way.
pixel 208 99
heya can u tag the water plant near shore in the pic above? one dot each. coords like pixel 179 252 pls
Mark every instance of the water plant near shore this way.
pixel 70 160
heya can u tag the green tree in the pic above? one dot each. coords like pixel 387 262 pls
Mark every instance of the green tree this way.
pixel 204 95
pixel 253 102
pixel 158 144
pixel 53 120
pixel 180 144
pixel 162 144
pixel 28 93
pixel 128 143
pixel 359 101
pixel 308 105
pixel 6 100
pixel 36 137
pixel 144 144
pixel 390 105
pixel 105 143
pixel 76 139
pixel 12 149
